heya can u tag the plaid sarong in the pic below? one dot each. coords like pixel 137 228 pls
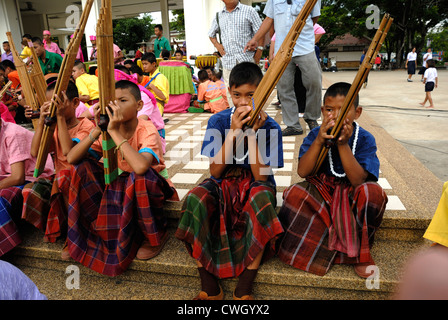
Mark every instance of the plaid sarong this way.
pixel 57 216
pixel 10 207
pixel 225 225
pixel 329 222
pixel 107 224
pixel 36 202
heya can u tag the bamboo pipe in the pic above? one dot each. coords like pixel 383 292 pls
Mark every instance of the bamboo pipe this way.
pixel 363 71
pixel 27 88
pixel 61 85
pixel 106 77
pixel 280 62
pixel 37 78
pixel 4 89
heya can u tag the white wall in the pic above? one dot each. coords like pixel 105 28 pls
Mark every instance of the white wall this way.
pixel 10 21
pixel 199 15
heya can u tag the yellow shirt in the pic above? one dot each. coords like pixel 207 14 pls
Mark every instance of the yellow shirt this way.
pixel 161 83
pixel 26 52
pixel 88 86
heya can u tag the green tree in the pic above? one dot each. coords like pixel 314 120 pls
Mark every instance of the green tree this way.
pixel 130 31
pixel 178 22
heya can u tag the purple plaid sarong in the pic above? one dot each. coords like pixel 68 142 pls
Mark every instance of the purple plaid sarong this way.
pixel 107 224
pixel 10 209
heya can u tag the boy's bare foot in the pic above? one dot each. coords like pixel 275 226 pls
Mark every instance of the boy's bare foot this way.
pixel 429 107
pixel 421 103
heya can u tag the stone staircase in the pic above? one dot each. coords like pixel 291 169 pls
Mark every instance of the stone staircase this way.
pixel 173 274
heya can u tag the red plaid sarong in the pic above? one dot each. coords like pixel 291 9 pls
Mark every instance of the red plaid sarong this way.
pixel 106 224
pixel 36 202
pixel 57 216
pixel 328 222
pixel 226 225
pixel 10 207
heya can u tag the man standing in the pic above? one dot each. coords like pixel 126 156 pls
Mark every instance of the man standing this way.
pixel 161 43
pixel 282 15
pixel 7 55
pixel 50 46
pixel 236 24
pixel 50 62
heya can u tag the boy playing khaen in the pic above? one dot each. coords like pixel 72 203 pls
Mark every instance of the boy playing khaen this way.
pixel 69 131
pixel 158 84
pixel 109 225
pixel 229 223
pixel 332 216
pixel 87 84
pixel 16 170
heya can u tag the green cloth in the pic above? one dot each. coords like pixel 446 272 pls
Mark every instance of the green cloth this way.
pixel 160 44
pixel 179 79
pixel 53 63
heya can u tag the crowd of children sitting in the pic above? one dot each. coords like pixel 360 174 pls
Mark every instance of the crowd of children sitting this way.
pixel 229 222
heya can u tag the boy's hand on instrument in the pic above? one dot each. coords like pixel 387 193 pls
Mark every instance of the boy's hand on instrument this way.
pixel 325 129
pixel 260 121
pixel 346 133
pixel 45 110
pixel 61 106
pixel 115 116
pixel 240 117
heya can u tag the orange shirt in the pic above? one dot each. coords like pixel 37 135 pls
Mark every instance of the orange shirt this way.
pixel 77 133
pixel 14 77
pixel 145 139
pixel 214 96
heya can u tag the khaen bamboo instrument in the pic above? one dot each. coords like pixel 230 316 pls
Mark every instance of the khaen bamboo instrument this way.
pixel 61 85
pixel 28 92
pixel 37 78
pixel 105 61
pixel 367 64
pixel 4 89
pixel 280 62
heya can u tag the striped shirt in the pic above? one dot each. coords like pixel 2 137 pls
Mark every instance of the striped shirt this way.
pixel 237 29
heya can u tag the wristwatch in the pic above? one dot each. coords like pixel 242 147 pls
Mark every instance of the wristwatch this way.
pixel 260 48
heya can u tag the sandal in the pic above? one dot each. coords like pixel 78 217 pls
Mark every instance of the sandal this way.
pixel 204 295
pixel 291 131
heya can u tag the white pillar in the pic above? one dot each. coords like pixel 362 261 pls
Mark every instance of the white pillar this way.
pixel 165 19
pixel 90 29
pixel 199 15
pixel 11 21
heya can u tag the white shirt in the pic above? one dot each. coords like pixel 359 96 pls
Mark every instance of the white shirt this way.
pixel 426 57
pixel 430 75
pixel 412 56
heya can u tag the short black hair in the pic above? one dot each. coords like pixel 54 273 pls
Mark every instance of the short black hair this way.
pixel 136 69
pixel 27 35
pixel 431 63
pixel 122 68
pixel 79 64
pixel 71 92
pixel 166 54
pixel 129 61
pixel 37 40
pixel 179 51
pixel 5 42
pixel 131 86
pixel 245 73
pixel 159 26
pixel 7 64
pixel 150 57
pixel 203 75
pixel 340 89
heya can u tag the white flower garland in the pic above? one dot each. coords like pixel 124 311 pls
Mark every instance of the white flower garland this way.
pixel 330 157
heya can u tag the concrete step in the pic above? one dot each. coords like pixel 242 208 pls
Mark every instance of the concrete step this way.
pixel 173 275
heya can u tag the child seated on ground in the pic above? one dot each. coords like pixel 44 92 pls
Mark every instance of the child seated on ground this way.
pixel 211 98
pixel 47 209
pixel 109 225
pixel 16 170
pixel 229 222
pixel 158 84
pixel 87 84
pixel 332 216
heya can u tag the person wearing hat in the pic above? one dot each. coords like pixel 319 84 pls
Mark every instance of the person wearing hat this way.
pixel 94 49
pixel 49 45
